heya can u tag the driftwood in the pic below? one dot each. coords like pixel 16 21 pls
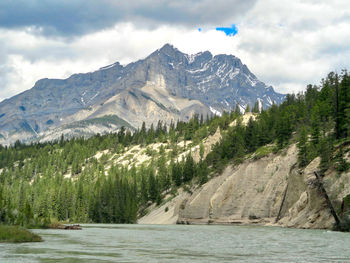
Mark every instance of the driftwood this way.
pixel 70 227
pixel 282 202
pixel 328 201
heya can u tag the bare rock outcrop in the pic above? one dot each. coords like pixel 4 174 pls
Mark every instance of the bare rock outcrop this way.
pixel 268 191
pixel 252 191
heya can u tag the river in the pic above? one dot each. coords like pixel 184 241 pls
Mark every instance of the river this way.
pixel 181 243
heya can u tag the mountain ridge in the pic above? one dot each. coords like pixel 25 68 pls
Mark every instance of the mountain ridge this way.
pixel 167 85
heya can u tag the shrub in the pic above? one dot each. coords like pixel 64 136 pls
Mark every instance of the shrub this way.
pixel 16 234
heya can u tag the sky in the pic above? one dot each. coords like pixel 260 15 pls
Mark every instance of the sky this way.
pixel 286 44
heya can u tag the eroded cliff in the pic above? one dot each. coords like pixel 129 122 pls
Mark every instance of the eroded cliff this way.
pixel 268 191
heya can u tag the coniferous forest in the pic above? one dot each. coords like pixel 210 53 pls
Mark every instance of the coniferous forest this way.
pixel 78 180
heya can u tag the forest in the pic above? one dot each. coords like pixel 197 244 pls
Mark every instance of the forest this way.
pixel 64 181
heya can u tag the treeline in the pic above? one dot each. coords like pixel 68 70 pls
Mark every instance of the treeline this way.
pixel 319 118
pixel 115 195
pixel 66 152
pixel 62 180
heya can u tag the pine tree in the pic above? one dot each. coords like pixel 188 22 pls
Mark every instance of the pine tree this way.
pixel 150 135
pixel 337 112
pixel 201 150
pixel 341 164
pixel 343 114
pixel 315 125
pixel 326 149
pixel 2 207
pixel 302 146
pixel 202 172
pixel 284 128
pixel 189 168
pixel 256 108
pixel 162 170
pixel 144 188
pixel 153 187
pixel 176 173
pixel 251 137
pixel 28 214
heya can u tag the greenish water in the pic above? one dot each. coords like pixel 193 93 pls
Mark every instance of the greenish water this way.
pixel 181 243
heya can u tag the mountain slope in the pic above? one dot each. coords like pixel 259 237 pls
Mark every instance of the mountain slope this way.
pixel 167 85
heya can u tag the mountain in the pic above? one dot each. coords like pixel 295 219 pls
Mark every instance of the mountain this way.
pixel 234 169
pixel 167 85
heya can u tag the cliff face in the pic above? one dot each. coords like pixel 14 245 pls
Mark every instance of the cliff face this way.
pixel 268 191
pixel 253 191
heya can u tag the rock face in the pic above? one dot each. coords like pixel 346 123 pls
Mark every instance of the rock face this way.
pixel 268 191
pixel 167 85
pixel 253 190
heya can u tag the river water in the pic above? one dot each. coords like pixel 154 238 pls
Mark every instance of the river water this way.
pixel 181 243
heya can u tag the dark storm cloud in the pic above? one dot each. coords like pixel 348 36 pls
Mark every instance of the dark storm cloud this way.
pixel 77 17
pixel 58 17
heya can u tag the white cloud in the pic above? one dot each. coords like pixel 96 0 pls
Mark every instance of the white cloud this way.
pixel 292 44
pixel 48 58
pixel 287 45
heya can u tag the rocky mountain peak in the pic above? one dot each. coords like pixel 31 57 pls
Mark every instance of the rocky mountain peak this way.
pixel 167 85
pixel 168 48
pixel 167 54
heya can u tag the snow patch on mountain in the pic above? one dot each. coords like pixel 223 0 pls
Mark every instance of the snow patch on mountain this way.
pixel 260 104
pixel 269 100
pixel 192 57
pixel 109 66
pixel 94 96
pixel 202 69
pixel 214 111
pixel 252 81
pixel 241 109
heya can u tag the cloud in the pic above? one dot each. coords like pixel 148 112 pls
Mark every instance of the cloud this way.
pixel 285 45
pixel 72 18
pixel 229 31
pixel 311 42
pixel 39 57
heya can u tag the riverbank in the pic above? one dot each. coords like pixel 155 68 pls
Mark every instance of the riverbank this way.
pixel 16 234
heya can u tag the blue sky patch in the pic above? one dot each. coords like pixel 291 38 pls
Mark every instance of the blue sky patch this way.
pixel 200 29
pixel 229 31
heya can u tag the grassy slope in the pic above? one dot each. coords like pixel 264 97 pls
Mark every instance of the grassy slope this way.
pixel 16 234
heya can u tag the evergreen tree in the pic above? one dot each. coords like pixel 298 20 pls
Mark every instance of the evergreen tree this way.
pixel 150 135
pixel 176 173
pixel 189 168
pixel 201 150
pixel 315 125
pixel 153 187
pixel 326 149
pixel 256 108
pixel 203 172
pixel 284 128
pixel 341 164
pixel 343 113
pixel 251 136
pixel 302 146
pixel 144 188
